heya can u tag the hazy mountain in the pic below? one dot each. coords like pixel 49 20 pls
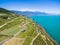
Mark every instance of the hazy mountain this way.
pixel 29 13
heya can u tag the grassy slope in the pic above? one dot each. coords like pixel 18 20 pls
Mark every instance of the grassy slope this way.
pixel 11 28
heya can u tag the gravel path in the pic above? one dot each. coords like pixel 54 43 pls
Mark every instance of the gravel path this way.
pixel 34 39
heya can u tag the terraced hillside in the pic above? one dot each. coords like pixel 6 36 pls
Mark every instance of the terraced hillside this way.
pixel 21 30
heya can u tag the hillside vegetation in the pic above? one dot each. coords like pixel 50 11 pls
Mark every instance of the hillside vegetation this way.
pixel 20 30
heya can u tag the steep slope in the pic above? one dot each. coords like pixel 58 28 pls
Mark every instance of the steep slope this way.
pixel 21 30
pixel 6 15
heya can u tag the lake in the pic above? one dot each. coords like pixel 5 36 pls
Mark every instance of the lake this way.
pixel 51 24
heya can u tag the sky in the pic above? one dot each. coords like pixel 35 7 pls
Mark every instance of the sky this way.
pixel 48 6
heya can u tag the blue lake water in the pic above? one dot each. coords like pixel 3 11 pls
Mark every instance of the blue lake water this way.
pixel 51 24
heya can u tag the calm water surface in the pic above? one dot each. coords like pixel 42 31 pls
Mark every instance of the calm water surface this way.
pixel 51 25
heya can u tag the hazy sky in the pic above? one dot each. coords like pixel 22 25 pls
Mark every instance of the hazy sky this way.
pixel 49 6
